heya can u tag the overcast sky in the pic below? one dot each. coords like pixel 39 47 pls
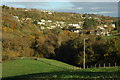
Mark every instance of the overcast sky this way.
pixel 78 6
pixel 60 0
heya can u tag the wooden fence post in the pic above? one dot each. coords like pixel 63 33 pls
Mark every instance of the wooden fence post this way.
pixel 95 65
pixel 115 64
pixel 99 65
pixel 90 66
pixel 109 64
pixel 87 66
pixel 104 64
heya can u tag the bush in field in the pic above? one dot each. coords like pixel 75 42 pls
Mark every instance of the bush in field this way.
pixel 112 50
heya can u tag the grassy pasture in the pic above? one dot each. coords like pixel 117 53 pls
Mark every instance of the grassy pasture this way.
pixel 46 69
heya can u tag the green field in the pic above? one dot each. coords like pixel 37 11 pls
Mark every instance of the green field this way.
pixel 30 66
pixel 111 36
pixel 29 69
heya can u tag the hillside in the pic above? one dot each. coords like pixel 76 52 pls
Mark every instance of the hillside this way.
pixel 59 36
pixel 30 66
pixel 51 37
pixel 29 69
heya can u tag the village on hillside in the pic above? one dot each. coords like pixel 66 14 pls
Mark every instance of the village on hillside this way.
pixel 94 24
pixel 101 29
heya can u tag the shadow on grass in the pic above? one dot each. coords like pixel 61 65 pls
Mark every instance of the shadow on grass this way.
pixel 68 75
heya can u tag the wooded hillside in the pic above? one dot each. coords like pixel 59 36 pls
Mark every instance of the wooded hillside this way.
pixel 55 35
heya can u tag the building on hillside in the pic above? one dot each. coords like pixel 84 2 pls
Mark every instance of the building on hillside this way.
pixel 78 27
pixel 28 18
pixel 76 31
pixel 42 20
pixel 41 23
pixel 98 32
pixel 105 32
pixel 49 12
pixel 49 27
pixel 52 26
pixel 42 27
pixel 26 10
pixel 102 32
pixel 105 26
pixel 113 25
pixel 49 21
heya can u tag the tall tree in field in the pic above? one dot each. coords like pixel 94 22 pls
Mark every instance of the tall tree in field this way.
pixel 112 50
pixel 89 23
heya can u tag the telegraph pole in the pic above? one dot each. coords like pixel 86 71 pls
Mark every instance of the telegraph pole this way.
pixel 84 56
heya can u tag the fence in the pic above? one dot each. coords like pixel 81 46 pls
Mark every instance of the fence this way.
pixel 75 68
pixel 102 65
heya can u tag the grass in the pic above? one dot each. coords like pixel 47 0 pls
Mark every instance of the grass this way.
pixel 111 36
pixel 30 66
pixel 0 70
pixel 47 69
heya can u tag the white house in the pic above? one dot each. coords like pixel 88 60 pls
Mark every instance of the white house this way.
pixel 58 25
pixel 41 23
pixel 78 27
pixel 75 25
pixel 49 21
pixel 23 19
pixel 18 20
pixel 89 17
pixel 105 25
pixel 70 24
pixel 42 20
pixel 57 21
pixel 102 28
pixel 28 18
pixel 113 25
pixel 49 27
pixel 42 27
pixel 52 26
pixel 26 10
pixel 76 31
pixel 80 22
pixel 49 13
pixel 61 22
